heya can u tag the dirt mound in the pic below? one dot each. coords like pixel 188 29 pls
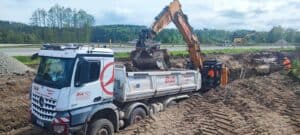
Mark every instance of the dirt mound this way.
pixel 14 102
pixel 252 64
pixel 241 65
pixel 9 65
pixel 259 105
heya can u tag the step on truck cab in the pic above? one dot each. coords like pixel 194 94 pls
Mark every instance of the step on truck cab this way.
pixel 80 89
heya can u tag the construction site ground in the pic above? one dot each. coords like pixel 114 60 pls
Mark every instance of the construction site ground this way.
pixel 253 103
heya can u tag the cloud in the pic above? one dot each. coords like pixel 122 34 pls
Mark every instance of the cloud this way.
pixel 111 17
pixel 259 11
pixel 232 14
pixel 215 14
pixel 295 4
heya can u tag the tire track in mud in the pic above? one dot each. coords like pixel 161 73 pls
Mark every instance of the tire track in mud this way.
pixel 261 105
pixel 194 116
pixel 288 103
pixel 210 118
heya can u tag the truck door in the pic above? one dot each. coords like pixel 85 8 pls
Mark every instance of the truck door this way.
pixel 85 82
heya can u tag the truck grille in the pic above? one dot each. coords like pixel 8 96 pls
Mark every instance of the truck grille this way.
pixel 43 108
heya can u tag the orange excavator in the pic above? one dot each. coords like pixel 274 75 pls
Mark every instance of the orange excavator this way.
pixel 148 54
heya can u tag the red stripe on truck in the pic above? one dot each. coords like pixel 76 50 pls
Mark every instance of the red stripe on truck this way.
pixel 111 80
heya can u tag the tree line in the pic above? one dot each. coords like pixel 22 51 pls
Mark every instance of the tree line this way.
pixel 61 17
pixel 60 24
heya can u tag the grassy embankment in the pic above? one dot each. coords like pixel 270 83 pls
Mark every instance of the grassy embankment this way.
pixel 123 55
pixel 296 65
pixel 296 69
pixel 27 60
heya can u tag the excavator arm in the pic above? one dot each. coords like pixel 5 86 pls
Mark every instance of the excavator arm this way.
pixel 148 55
pixel 181 22
pixel 145 47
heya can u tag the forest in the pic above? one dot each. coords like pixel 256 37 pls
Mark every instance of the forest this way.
pixel 65 25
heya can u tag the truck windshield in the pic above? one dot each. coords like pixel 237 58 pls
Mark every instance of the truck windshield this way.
pixel 55 72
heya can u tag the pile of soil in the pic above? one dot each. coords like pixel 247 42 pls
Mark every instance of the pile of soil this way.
pixel 14 101
pixel 258 105
pixel 241 65
pixel 9 65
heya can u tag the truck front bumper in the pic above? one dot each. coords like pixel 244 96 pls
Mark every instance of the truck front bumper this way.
pixel 47 126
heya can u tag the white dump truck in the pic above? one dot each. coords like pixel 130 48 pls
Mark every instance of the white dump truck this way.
pixel 80 89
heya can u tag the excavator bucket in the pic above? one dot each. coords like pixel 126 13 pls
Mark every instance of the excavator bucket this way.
pixel 146 60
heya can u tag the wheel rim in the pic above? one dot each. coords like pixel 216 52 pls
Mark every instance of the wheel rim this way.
pixel 137 118
pixel 103 131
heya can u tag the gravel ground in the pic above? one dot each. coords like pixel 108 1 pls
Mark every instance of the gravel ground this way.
pixel 9 65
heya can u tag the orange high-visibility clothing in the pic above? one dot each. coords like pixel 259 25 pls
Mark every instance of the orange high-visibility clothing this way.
pixel 224 76
pixel 287 64
pixel 211 73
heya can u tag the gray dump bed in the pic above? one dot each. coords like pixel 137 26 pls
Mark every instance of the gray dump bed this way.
pixel 130 86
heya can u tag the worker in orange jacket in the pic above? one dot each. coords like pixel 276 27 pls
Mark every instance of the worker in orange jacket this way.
pixel 211 73
pixel 287 64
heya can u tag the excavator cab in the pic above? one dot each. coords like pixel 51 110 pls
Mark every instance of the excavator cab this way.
pixel 211 74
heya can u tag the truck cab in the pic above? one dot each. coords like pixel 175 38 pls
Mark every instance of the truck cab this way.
pixel 71 85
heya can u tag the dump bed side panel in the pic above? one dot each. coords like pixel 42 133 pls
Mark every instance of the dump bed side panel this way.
pixel 130 86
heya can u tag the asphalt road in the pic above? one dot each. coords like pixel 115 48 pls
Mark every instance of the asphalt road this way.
pixel 30 51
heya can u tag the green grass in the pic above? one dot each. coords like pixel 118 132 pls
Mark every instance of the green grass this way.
pixel 296 69
pixel 123 55
pixel 226 51
pixel 27 60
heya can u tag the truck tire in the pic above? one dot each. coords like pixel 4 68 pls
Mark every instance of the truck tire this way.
pixel 101 127
pixel 137 115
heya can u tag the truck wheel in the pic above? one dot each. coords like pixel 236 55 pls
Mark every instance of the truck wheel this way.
pixel 137 115
pixel 101 127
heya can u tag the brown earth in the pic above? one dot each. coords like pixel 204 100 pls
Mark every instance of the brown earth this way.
pixel 259 105
pixel 254 105
pixel 14 100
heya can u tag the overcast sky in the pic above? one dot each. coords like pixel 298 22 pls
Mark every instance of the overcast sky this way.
pixel 213 14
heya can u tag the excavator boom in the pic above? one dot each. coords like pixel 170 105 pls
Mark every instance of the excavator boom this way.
pixel 147 53
pixel 182 24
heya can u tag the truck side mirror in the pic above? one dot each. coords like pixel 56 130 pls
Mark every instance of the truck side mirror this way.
pixel 81 75
pixel 34 56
